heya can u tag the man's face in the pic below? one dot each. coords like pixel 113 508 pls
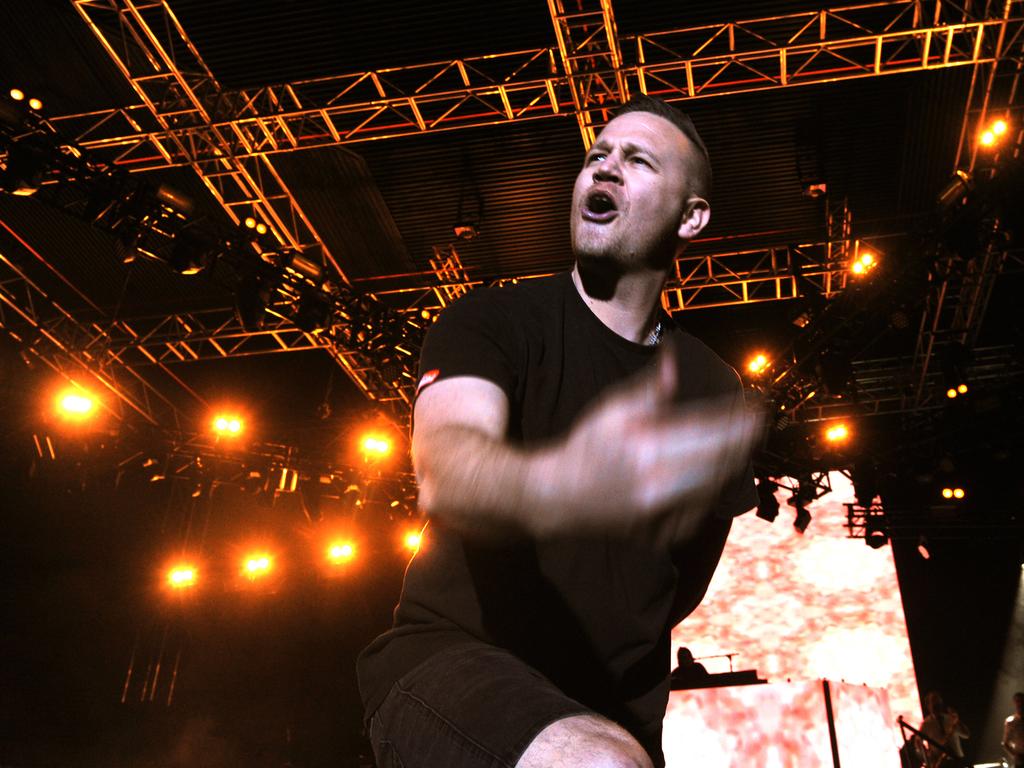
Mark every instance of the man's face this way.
pixel 630 198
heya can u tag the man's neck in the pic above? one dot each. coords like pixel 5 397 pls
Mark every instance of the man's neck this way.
pixel 625 303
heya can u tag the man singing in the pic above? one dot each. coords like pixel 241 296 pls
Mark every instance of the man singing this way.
pixel 580 459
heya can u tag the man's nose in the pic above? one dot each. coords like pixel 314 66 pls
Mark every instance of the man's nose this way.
pixel 608 169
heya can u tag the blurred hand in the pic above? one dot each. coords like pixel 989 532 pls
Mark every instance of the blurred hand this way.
pixel 636 453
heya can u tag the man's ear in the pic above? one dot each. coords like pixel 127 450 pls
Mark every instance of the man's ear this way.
pixel 695 218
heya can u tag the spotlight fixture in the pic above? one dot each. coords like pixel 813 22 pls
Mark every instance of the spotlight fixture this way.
pixel 257 565
pixel 228 425
pixel 837 434
pixel 75 404
pixel 802 519
pixel 993 133
pixel 922 548
pixel 374 445
pixel 341 552
pixel 758 364
pixel 767 504
pixel 182 576
pixel 17 94
pixel 35 104
pixel 953 493
pixel 863 264
pixel 875 534
pixel 412 540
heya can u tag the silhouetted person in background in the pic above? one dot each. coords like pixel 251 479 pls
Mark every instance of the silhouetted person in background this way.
pixel 689 673
pixel 942 726
pixel 1013 733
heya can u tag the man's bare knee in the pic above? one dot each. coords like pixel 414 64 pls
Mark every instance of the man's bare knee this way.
pixel 584 741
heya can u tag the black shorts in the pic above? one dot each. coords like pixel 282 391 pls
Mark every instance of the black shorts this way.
pixel 468 706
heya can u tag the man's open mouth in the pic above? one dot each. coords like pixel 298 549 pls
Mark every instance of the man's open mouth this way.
pixel 599 206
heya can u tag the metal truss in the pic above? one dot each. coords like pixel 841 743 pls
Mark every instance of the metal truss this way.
pixel 939 523
pixel 881 386
pixel 588 46
pixel 698 282
pixel 80 352
pixel 959 294
pixel 209 125
pixel 179 93
pixel 201 335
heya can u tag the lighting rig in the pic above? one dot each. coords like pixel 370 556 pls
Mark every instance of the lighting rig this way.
pixel 159 223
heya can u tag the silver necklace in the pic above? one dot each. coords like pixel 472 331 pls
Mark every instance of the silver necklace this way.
pixel 655 338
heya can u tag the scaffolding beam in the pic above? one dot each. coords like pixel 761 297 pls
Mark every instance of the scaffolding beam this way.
pixel 781 51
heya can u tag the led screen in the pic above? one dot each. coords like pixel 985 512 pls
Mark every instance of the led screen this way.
pixel 805 607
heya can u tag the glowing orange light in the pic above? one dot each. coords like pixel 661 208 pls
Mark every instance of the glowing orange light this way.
pixel 864 263
pixel 962 389
pixel 341 552
pixel 958 493
pixel 257 565
pixel 227 425
pixel 947 493
pixel 182 576
pixel 758 363
pixel 988 138
pixel 250 222
pixel 837 433
pixel 17 94
pixel 35 104
pixel 425 314
pixel 999 127
pixel 951 393
pixel 412 540
pixel 375 446
pixel 261 228
pixel 75 403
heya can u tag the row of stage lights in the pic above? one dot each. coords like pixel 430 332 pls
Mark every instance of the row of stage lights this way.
pixel 259 565
pixel 77 405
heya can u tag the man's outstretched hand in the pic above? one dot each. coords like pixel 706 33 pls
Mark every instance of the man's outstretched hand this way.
pixel 637 453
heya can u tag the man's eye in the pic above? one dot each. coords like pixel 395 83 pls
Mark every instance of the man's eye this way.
pixel 640 161
pixel 596 157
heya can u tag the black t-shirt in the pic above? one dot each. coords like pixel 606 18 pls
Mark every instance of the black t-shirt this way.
pixel 592 613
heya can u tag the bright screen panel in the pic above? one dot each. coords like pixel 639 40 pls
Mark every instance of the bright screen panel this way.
pixel 806 607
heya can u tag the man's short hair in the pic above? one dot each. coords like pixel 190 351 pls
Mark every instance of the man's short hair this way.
pixel 700 163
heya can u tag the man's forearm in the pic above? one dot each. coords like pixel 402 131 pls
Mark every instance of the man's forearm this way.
pixel 472 479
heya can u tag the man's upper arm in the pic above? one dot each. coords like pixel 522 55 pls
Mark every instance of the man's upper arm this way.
pixel 462 401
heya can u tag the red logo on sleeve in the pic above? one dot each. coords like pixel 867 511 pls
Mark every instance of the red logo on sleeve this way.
pixel 427 379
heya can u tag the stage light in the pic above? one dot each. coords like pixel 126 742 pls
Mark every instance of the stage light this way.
pixel 17 94
pixel 962 389
pixel 758 363
pixel 425 314
pixel 988 138
pixel 261 228
pixel 75 404
pixel 767 504
pixel 412 540
pixel 35 104
pixel 947 493
pixel 951 393
pixel 802 519
pixel 837 433
pixel 875 535
pixel 864 263
pixel 341 552
pixel 958 493
pixel 182 576
pixel 374 445
pixel 250 222
pixel 257 565
pixel 227 425
pixel 922 548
